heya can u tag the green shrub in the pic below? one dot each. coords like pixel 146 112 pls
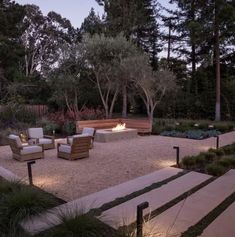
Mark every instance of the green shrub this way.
pixel 189 162
pixel 157 129
pixel 69 127
pixel 13 114
pixel 203 126
pixel 224 162
pixel 215 169
pixel 209 156
pixel 224 127
pixel 230 149
pixel 200 160
pixel 227 162
pixel 219 152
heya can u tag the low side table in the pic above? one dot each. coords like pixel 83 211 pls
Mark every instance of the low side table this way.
pixel 33 141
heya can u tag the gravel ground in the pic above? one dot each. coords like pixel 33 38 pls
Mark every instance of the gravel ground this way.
pixel 109 164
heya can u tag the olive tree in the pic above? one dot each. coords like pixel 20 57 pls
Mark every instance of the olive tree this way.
pixel 105 57
pixel 150 85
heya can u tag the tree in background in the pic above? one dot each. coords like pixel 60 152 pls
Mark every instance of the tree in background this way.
pixel 65 80
pixel 137 21
pixel 43 38
pixel 11 50
pixel 208 29
pixel 92 24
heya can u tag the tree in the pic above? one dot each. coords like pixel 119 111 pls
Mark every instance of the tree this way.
pixel 151 86
pixel 136 19
pixel 11 50
pixel 105 56
pixel 209 26
pixel 43 38
pixel 65 80
pixel 92 24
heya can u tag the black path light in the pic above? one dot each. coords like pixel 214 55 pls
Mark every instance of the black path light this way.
pixel 217 142
pixel 177 155
pixel 140 218
pixel 29 164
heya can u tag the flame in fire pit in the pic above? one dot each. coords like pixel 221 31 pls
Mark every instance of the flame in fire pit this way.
pixel 119 127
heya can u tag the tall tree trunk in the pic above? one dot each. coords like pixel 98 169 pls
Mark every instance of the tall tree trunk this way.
pixel 217 65
pixel 193 53
pixel 169 43
pixel 124 100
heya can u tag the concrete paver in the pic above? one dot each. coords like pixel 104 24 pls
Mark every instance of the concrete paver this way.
pixel 84 204
pixel 125 213
pixel 188 212
pixel 223 225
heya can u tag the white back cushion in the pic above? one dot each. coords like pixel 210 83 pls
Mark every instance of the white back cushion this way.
pixel 17 138
pixel 35 132
pixel 89 131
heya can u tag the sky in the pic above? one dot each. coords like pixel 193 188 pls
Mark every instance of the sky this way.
pixel 73 10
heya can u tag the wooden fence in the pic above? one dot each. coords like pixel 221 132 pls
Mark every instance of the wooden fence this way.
pixel 39 110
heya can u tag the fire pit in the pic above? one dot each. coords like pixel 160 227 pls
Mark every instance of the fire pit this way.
pixel 119 132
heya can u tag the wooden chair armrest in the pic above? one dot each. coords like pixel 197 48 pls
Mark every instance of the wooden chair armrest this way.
pixel 68 139
pixel 50 137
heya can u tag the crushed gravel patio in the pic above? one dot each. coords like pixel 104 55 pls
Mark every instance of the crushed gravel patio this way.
pixel 109 164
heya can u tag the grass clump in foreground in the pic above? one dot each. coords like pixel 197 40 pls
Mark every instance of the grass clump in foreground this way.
pixel 84 225
pixel 19 201
pixel 198 229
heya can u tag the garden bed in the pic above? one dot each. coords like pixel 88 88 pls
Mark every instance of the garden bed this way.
pixel 215 162
pixel 191 129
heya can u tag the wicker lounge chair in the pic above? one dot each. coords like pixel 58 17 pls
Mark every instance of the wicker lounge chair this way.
pixel 86 132
pixel 24 153
pixel 77 150
pixel 36 136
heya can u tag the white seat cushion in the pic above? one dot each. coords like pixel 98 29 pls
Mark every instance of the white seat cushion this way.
pixel 35 132
pixel 89 131
pixel 45 141
pixel 17 138
pixel 65 148
pixel 31 149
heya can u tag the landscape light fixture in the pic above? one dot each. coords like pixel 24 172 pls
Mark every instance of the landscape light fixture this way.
pixel 140 218
pixel 177 155
pixel 29 164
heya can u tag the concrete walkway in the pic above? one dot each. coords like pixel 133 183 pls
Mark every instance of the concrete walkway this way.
pixel 83 205
pixel 187 213
pixel 125 214
pixel 222 226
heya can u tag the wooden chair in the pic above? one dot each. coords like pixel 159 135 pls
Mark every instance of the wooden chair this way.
pixel 77 150
pixel 24 153
pixel 36 136
pixel 86 132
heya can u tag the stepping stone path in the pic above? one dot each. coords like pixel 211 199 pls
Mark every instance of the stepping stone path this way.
pixel 223 225
pixel 180 217
pixel 52 217
pixel 125 213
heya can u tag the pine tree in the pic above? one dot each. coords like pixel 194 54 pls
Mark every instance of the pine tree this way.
pixel 92 24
